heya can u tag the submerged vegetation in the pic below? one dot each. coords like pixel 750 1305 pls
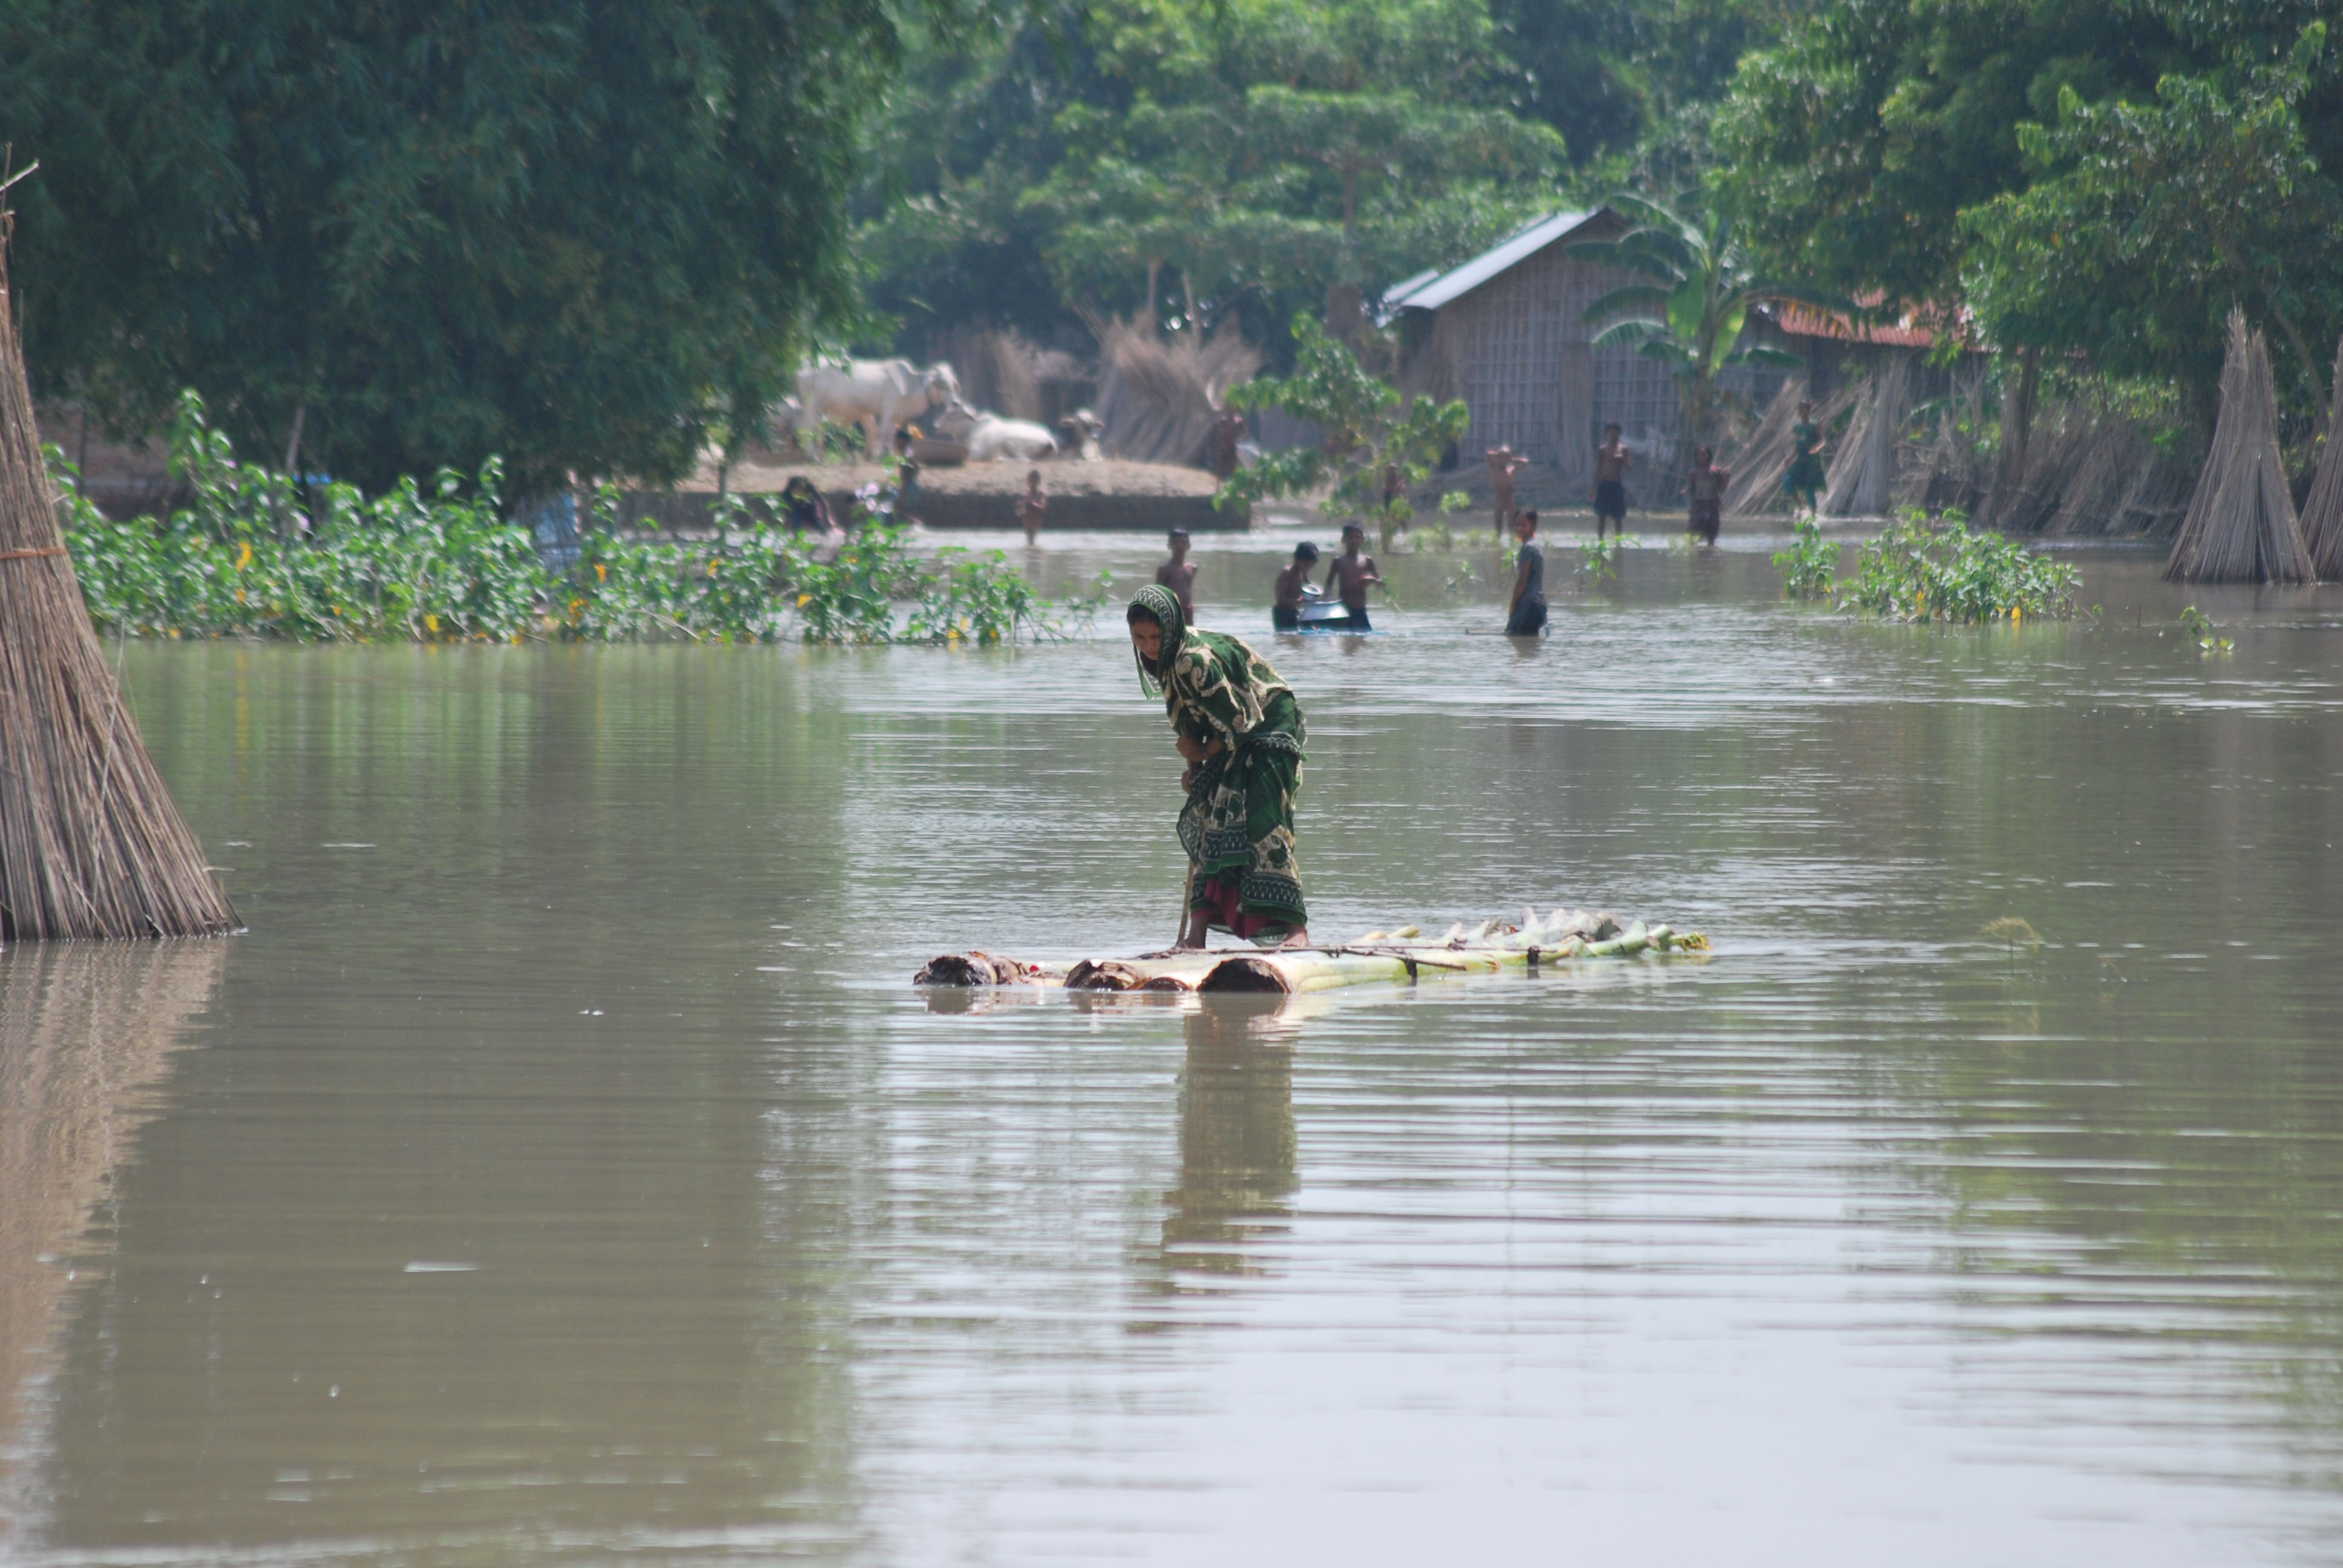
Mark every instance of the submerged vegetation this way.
pixel 251 554
pixel 1918 570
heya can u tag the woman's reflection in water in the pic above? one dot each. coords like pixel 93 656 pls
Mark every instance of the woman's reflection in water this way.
pixel 1236 1137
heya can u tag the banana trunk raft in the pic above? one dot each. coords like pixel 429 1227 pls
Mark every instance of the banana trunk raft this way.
pixel 1403 956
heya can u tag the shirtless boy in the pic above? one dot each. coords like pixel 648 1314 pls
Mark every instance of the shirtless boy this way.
pixel 1611 461
pixel 1030 506
pixel 1706 487
pixel 1504 464
pixel 1294 588
pixel 1178 575
pixel 1352 574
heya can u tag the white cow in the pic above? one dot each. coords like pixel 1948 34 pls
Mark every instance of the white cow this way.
pixel 989 439
pixel 877 394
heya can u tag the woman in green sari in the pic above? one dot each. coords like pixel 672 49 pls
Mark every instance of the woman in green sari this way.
pixel 1242 732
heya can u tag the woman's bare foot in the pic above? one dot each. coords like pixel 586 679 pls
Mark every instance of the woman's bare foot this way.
pixel 1298 938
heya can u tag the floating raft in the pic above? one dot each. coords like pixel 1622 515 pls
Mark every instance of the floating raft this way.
pixel 1403 956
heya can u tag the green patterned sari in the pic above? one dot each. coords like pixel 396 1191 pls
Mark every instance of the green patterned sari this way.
pixel 1238 824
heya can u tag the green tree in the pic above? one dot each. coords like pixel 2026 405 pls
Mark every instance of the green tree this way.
pixel 1247 155
pixel 1368 427
pixel 2143 222
pixel 574 232
pixel 1691 312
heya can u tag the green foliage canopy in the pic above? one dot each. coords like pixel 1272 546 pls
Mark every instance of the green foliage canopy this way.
pixel 2144 221
pixel 2101 175
pixel 573 232
pixel 1265 153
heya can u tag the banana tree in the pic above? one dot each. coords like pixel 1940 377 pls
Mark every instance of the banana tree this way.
pixel 1691 312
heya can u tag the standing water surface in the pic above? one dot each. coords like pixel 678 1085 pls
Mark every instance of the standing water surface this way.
pixel 562 1170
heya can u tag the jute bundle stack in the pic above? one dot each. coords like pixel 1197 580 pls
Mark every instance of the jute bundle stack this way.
pixel 2241 526
pixel 1862 478
pixel 2322 509
pixel 1760 462
pixel 1158 400
pixel 91 844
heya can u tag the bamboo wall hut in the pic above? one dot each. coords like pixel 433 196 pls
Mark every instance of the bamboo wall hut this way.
pixel 1506 332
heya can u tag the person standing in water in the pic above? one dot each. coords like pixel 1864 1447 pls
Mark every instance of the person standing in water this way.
pixel 1805 479
pixel 1525 616
pixel 1706 487
pixel 1239 727
pixel 1504 464
pixel 1352 574
pixel 1030 505
pixel 1179 574
pixel 1611 461
pixel 1294 588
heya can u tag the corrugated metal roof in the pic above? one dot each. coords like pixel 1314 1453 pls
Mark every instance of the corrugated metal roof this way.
pixel 1417 294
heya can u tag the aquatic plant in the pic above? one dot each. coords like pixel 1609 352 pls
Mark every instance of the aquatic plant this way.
pixel 1598 559
pixel 2202 626
pixel 443 565
pixel 1918 571
pixel 1810 562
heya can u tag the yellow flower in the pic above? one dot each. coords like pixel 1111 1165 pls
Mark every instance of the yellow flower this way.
pixel 803 599
pixel 431 623
pixel 712 568
pixel 243 556
pixel 601 572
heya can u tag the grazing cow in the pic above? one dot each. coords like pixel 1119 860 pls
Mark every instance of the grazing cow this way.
pixel 876 393
pixel 990 438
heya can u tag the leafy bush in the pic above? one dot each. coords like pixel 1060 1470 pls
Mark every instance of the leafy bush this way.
pixel 443 565
pixel 1914 571
pixel 1810 562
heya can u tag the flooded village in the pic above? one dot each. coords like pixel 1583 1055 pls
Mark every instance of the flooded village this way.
pixel 1169 782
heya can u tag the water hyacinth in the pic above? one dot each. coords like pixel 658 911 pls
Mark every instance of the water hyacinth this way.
pixel 1919 571
pixel 443 565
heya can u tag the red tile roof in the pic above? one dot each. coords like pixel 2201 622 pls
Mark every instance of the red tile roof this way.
pixel 1915 329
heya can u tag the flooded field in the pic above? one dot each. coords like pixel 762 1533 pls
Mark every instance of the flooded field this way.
pixel 562 1170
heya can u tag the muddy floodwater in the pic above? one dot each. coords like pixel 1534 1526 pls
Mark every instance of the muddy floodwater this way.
pixel 563 1170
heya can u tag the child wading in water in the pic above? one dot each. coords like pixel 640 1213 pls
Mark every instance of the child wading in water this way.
pixel 1705 484
pixel 1612 462
pixel 1030 504
pixel 1294 588
pixel 1353 571
pixel 1526 616
pixel 1179 574
pixel 1504 464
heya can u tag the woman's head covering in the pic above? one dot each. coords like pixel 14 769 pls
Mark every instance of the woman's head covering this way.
pixel 1163 605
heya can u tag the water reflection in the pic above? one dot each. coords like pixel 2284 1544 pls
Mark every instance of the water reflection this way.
pixel 86 1031
pixel 1236 1136
pixel 1866 1239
